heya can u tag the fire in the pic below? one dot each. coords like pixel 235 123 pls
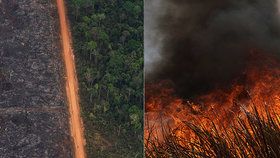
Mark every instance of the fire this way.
pixel 258 86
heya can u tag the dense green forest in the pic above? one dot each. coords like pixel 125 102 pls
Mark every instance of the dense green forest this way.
pixel 108 45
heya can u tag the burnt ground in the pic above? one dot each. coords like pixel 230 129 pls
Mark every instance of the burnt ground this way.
pixel 33 110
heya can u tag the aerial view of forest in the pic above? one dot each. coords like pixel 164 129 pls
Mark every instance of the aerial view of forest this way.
pixel 108 47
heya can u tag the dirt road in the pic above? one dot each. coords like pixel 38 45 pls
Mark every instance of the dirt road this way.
pixel 71 84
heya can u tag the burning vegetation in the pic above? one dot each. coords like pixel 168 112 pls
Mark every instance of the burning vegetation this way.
pixel 241 120
pixel 257 87
pixel 253 136
pixel 215 91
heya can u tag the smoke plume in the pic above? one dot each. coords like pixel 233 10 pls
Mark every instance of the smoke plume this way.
pixel 199 44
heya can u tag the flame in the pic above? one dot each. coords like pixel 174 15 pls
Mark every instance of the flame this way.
pixel 260 88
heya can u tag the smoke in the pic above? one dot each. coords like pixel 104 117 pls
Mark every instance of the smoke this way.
pixel 201 44
pixel 153 40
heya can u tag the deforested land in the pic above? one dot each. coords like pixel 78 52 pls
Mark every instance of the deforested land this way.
pixel 33 106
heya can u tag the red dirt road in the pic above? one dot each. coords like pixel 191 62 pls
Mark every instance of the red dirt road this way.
pixel 71 84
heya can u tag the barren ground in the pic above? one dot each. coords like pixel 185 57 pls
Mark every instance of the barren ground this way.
pixel 33 110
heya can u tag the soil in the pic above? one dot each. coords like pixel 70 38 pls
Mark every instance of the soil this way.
pixel 33 106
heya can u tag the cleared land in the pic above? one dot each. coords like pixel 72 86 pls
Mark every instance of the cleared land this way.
pixel 33 107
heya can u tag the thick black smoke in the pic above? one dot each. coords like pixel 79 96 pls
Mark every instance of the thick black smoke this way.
pixel 206 42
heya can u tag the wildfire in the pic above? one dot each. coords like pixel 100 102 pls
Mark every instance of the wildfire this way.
pixel 258 86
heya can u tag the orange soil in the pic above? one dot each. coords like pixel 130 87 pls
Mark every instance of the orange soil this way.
pixel 71 84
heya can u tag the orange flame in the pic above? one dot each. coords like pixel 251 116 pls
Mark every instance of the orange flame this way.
pixel 260 88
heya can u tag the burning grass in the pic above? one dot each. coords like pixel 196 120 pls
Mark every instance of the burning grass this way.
pixel 239 120
pixel 256 135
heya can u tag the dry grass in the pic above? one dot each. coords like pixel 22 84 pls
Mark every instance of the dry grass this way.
pixel 255 136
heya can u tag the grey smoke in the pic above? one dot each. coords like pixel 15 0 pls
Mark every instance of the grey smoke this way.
pixel 199 44
pixel 153 38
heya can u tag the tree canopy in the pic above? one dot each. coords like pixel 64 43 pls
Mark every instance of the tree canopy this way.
pixel 108 44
